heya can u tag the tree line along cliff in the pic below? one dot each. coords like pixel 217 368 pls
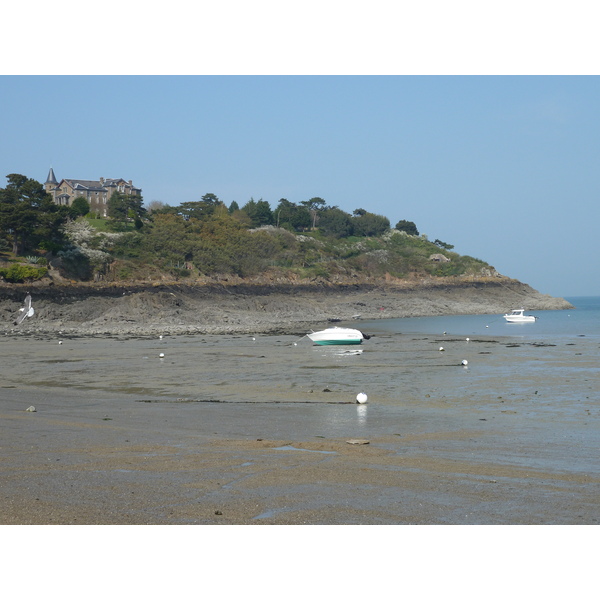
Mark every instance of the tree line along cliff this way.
pixel 206 239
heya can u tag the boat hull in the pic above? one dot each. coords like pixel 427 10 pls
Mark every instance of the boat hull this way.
pixel 532 320
pixel 336 336
pixel 351 342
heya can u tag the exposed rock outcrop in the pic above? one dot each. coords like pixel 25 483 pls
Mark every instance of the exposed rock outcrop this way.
pixel 244 307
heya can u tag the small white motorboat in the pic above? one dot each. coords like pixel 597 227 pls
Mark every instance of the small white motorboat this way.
pixel 337 335
pixel 519 316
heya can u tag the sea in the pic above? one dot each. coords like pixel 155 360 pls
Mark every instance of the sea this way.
pixel 581 321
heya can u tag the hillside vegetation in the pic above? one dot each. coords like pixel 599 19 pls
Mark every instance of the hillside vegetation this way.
pixel 208 240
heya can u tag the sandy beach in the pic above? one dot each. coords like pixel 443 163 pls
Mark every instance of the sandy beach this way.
pixel 249 430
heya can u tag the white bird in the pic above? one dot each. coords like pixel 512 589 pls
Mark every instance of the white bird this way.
pixel 26 311
pixel 464 363
pixel 362 398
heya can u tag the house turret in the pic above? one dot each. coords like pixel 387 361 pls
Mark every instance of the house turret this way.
pixel 51 182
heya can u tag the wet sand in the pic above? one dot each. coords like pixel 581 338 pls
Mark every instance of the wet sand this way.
pixel 236 430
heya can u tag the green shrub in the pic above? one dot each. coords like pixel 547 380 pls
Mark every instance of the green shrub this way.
pixel 319 271
pixel 20 273
pixel 123 272
pixel 178 272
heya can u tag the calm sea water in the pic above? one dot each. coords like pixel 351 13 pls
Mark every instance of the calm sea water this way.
pixel 583 320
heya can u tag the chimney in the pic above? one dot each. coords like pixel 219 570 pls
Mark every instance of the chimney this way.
pixel 101 180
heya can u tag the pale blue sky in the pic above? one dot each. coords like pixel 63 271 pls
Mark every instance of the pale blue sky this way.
pixel 504 168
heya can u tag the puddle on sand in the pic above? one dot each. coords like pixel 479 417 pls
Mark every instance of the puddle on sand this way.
pixel 304 450
pixel 273 512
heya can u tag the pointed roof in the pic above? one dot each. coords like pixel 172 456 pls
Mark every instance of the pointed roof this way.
pixel 51 177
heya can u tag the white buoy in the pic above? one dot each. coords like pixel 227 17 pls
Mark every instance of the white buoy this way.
pixel 59 343
pixel 441 348
pixel 464 363
pixel 160 337
pixel 161 355
pixel 362 398
pixel 468 340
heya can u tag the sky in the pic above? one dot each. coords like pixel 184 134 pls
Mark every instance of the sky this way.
pixel 503 164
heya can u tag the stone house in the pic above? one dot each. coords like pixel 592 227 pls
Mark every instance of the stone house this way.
pixel 95 192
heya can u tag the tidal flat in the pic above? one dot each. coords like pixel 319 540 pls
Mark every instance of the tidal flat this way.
pixel 265 429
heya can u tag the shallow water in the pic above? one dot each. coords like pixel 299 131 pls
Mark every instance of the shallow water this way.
pixel 583 320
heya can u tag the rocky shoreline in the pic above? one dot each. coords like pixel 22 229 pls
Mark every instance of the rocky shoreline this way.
pixel 246 307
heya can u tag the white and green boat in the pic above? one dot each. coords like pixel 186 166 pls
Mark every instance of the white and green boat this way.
pixel 337 336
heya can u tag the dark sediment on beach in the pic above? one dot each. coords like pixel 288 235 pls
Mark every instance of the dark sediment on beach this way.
pixel 246 307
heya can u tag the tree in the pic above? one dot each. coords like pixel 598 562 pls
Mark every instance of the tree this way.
pixel 124 207
pixel 408 227
pixel 170 238
pixel 260 212
pixel 117 207
pixel 202 209
pixel 369 224
pixel 233 207
pixel 155 206
pixel 29 214
pixel 291 215
pixel 283 211
pixel 208 204
pixel 443 245
pixel 314 205
pixel 241 216
pixel 335 222
pixel 80 207
pixel 210 199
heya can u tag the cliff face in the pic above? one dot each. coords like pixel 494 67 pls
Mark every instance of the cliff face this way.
pixel 251 307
